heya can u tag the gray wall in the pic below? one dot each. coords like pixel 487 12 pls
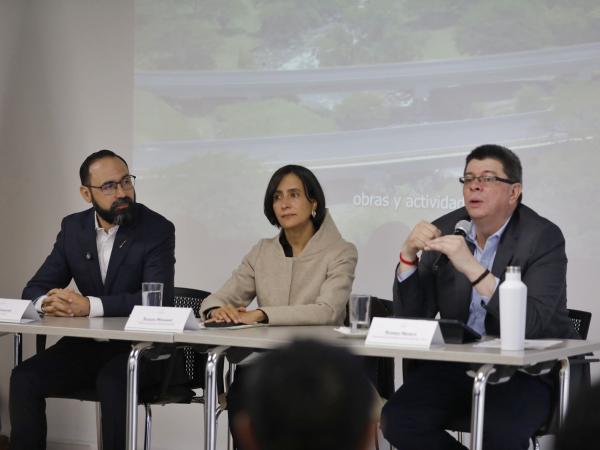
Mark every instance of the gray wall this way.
pixel 66 83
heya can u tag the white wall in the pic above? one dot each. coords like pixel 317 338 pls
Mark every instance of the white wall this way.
pixel 65 91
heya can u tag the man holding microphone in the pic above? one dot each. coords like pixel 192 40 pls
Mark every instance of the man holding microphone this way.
pixel 457 277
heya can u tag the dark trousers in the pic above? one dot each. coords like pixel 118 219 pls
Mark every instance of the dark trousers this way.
pixel 64 369
pixel 235 398
pixel 435 393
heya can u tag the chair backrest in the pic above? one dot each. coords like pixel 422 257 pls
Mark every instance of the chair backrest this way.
pixel 581 321
pixel 385 366
pixel 189 298
pixel 579 379
pixel 380 370
pixel 194 362
pixel 379 308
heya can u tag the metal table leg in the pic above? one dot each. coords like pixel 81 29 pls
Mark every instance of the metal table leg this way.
pixel 132 392
pixel 18 349
pixel 564 374
pixel 214 355
pixel 231 378
pixel 478 405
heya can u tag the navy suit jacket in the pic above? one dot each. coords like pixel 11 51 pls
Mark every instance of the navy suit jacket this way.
pixel 143 251
pixel 529 241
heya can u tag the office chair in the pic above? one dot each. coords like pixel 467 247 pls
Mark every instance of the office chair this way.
pixel 195 361
pixel 581 322
pixel 579 380
pixel 379 369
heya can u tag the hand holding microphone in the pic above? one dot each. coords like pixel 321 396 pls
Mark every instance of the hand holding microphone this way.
pixel 426 236
pixel 450 244
pixel 452 247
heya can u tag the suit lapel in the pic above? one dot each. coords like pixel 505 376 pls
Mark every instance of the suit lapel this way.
pixel 123 241
pixel 504 257
pixel 507 247
pixel 87 240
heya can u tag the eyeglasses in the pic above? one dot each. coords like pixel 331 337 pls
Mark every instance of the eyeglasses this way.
pixel 486 180
pixel 110 187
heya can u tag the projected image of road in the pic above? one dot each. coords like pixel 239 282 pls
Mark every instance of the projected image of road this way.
pixel 381 98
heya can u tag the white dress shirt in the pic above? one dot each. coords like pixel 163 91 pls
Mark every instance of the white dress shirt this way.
pixel 104 243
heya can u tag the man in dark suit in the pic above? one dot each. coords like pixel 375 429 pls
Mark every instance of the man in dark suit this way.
pixel 504 232
pixel 108 251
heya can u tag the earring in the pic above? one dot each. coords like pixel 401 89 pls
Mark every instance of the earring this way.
pixel 314 213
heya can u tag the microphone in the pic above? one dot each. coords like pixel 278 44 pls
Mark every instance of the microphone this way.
pixel 462 228
pixel 88 256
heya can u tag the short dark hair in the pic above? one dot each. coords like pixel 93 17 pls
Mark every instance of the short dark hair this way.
pixel 308 395
pixel 84 170
pixel 312 189
pixel 510 162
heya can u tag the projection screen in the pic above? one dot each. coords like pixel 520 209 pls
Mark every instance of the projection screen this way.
pixel 382 99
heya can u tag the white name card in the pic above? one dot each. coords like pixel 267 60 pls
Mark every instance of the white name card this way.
pixel 17 311
pixel 404 332
pixel 161 318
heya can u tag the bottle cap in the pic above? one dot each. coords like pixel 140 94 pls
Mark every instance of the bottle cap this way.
pixel 513 269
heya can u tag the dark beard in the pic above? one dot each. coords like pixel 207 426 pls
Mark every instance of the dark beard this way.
pixel 122 217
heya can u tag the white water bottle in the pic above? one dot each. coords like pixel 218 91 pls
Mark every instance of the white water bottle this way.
pixel 513 310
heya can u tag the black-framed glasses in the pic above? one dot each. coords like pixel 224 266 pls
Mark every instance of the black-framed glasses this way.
pixel 110 187
pixel 484 179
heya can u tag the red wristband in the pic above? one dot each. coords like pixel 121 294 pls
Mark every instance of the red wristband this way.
pixel 408 262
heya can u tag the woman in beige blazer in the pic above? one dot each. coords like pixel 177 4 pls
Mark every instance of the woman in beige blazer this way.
pixel 302 276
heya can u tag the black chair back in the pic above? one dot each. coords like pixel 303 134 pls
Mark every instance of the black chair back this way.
pixel 581 321
pixel 579 379
pixel 380 370
pixel 386 369
pixel 379 308
pixel 580 376
pixel 194 361
pixel 189 298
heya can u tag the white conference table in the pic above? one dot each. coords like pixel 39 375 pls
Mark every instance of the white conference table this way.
pixel 85 327
pixel 100 328
pixel 270 337
pixel 218 341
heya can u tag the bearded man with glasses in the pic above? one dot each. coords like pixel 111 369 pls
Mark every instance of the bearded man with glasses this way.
pixel 502 232
pixel 108 251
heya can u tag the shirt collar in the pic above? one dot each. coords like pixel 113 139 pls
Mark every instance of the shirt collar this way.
pixel 110 231
pixel 472 236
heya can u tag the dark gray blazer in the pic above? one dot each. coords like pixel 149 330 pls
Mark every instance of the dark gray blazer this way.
pixel 529 241
pixel 143 251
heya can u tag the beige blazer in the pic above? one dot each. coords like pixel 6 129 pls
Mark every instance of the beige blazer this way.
pixel 310 289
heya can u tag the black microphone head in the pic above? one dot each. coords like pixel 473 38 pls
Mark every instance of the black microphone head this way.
pixel 462 227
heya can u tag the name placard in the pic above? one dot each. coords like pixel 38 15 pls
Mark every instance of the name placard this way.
pixel 161 318
pixel 17 311
pixel 404 332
